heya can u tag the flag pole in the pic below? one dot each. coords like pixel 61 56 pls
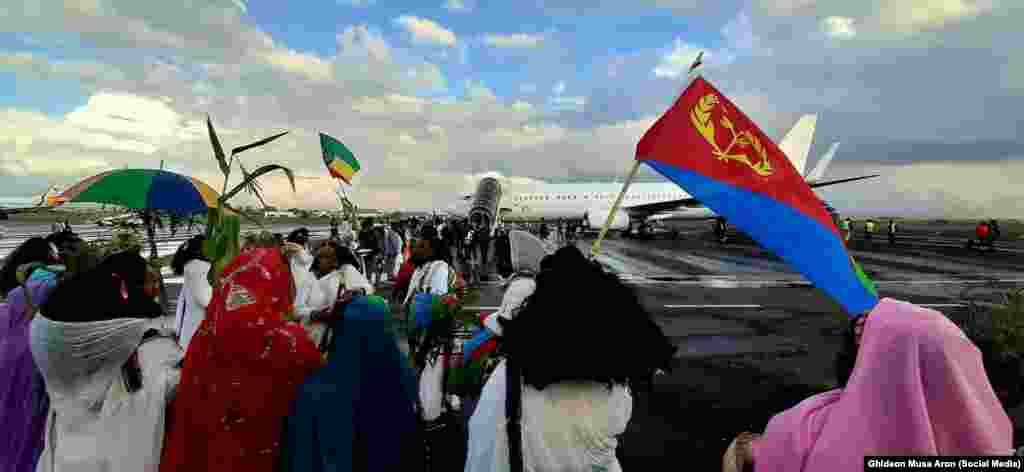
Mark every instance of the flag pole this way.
pixel 632 174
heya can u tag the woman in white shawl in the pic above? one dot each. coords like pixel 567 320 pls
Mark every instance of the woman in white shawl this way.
pixel 196 291
pixel 488 447
pixel 577 371
pixel 336 266
pixel 433 275
pixel 527 252
pixel 107 394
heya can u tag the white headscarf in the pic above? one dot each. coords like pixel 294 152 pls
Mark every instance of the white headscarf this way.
pixel 527 252
pixel 79 361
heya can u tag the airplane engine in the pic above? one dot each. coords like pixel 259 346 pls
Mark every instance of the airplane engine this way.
pixel 596 218
pixel 484 207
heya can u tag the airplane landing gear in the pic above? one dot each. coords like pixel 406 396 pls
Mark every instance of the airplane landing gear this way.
pixel 721 233
pixel 644 232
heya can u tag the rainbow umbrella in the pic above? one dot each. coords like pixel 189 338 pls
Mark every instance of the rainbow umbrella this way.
pixel 144 189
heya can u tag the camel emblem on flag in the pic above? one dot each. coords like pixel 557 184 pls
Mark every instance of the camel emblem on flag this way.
pixel 702 120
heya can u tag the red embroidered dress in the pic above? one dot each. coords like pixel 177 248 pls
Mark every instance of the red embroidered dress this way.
pixel 242 371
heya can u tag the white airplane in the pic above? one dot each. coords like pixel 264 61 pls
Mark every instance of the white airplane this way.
pixel 47 201
pixel 644 203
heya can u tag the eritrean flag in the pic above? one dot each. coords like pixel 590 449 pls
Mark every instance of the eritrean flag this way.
pixel 711 149
pixel 339 160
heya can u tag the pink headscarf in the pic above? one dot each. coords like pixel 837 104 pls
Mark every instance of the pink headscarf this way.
pixel 918 388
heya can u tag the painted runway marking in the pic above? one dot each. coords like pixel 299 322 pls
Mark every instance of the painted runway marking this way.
pixel 714 306
pixel 927 305
pixel 732 283
pixel 481 308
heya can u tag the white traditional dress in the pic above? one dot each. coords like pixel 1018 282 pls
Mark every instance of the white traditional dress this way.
pixel 433 277
pixel 566 426
pixel 192 301
pixel 326 291
pixel 95 424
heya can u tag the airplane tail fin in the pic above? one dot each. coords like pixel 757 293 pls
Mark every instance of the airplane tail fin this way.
pixel 819 169
pixel 797 142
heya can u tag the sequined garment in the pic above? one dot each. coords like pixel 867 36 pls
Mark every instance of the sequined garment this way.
pixel 241 373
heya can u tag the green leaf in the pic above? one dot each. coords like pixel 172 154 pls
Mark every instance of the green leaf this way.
pixel 218 151
pixel 253 188
pixel 240 149
pixel 256 174
pixel 245 216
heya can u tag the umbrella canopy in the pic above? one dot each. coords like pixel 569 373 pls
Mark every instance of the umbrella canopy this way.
pixel 144 189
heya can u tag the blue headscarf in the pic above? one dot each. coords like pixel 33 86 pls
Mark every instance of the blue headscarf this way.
pixel 357 413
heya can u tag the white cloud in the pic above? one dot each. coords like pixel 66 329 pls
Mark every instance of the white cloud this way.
pixel 519 105
pixel 389 105
pixel 739 33
pixel 525 136
pixel 924 190
pixel 559 88
pixel 456 6
pixel 514 41
pixel 677 61
pixel 109 128
pixel 306 65
pixel 426 31
pixel 568 103
pixel 478 91
pixel 358 41
pixel 916 15
pixel 839 27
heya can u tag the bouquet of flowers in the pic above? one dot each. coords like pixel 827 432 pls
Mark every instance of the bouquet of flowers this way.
pixel 430 321
pixel 480 356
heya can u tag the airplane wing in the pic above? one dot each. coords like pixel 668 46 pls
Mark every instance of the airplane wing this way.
pixel 48 201
pixel 648 209
pixel 840 181
pixel 15 211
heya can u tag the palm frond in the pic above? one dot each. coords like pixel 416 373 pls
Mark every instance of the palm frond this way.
pixel 244 215
pixel 240 149
pixel 256 174
pixel 218 151
pixel 253 187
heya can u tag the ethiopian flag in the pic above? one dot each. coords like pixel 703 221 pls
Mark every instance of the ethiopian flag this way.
pixel 707 146
pixel 339 160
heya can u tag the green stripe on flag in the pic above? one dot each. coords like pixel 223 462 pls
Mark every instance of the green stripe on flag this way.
pixel 333 149
pixel 864 279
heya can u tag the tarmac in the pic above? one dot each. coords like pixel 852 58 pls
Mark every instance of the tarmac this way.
pixel 754 337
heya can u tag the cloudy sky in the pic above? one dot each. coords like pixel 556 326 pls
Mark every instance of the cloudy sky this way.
pixel 431 93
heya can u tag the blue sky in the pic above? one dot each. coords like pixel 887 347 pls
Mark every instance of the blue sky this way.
pixel 556 90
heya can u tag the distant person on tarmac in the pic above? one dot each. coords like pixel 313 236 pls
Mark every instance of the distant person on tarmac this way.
pixel 994 225
pixel 869 229
pixel 892 232
pixel 845 226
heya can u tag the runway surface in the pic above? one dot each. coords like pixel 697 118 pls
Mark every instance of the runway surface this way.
pixel 754 337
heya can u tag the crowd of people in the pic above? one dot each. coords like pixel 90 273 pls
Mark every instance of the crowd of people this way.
pixel 291 361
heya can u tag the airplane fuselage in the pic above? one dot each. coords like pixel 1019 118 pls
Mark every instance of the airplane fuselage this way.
pixel 582 201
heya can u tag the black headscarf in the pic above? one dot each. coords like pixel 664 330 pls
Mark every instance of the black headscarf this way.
pixel 583 323
pixel 34 249
pixel 191 250
pixel 96 295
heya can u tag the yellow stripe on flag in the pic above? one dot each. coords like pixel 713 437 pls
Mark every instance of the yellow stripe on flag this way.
pixel 342 170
